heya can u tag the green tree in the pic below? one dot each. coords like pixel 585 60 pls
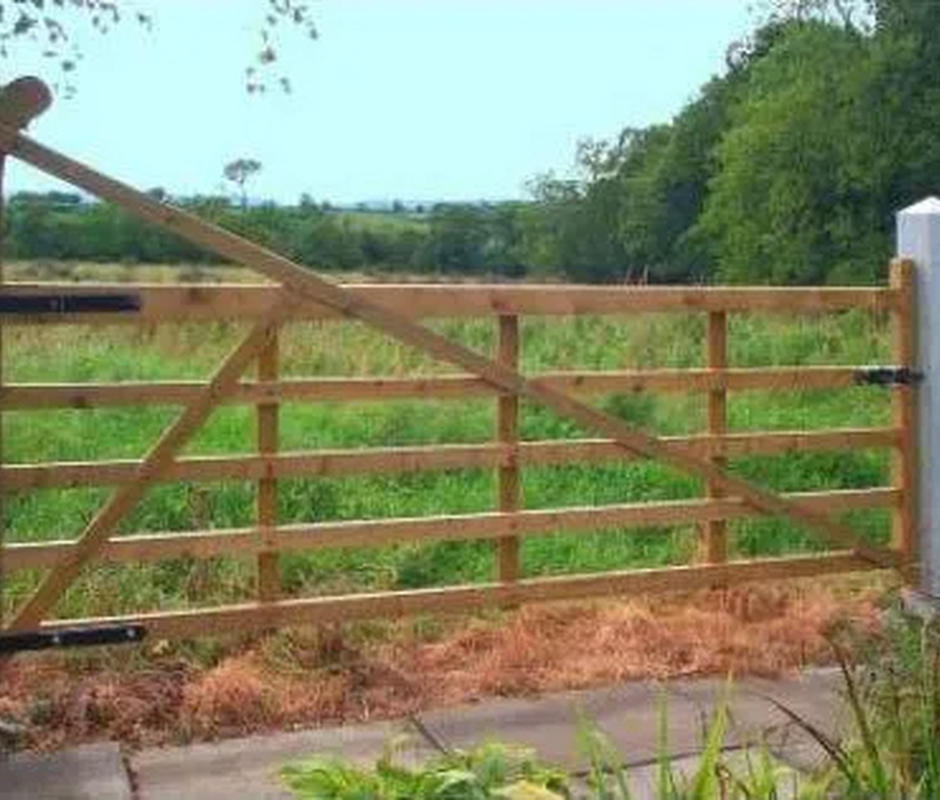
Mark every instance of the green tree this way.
pixel 573 231
pixel 239 172
pixel 456 241
pixel 832 136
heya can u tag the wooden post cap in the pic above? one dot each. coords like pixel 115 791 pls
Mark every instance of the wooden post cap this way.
pixel 22 100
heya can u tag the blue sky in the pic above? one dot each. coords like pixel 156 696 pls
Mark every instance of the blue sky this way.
pixel 411 99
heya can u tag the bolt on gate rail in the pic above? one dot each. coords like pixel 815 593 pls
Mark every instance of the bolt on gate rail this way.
pixel 399 310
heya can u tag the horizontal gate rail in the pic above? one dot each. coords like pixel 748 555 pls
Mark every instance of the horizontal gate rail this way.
pixel 318 610
pixel 377 533
pixel 448 387
pixel 186 303
pixel 19 477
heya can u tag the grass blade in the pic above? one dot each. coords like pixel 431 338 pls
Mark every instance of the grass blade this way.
pixel 861 718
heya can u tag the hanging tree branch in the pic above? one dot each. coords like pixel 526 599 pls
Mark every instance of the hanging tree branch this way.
pixel 57 29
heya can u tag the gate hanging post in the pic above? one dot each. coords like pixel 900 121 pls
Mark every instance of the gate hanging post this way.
pixel 918 239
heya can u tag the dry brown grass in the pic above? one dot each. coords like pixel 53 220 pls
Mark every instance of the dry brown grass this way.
pixel 308 677
pixel 117 272
pixel 129 272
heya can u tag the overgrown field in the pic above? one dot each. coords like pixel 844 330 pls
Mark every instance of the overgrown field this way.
pixel 85 353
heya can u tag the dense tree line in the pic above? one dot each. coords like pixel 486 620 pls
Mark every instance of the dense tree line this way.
pixel 449 239
pixel 788 168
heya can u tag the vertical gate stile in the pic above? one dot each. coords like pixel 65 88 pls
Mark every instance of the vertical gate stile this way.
pixel 268 416
pixel 507 425
pixel 714 533
pixel 904 461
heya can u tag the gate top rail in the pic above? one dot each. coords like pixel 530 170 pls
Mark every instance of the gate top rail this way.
pixel 202 302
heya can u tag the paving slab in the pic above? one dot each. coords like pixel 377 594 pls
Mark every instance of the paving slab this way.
pixel 629 715
pixel 92 772
pixel 815 696
pixel 250 767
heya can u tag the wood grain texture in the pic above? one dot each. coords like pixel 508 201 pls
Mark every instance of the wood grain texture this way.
pixel 904 411
pixel 714 533
pixel 362 461
pixel 456 527
pixel 161 303
pixel 319 610
pixel 269 573
pixel 509 478
pixel 448 387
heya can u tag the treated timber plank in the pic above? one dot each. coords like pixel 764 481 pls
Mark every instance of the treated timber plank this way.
pixel 269 571
pixel 319 610
pixel 509 478
pixel 93 395
pixel 714 535
pixel 731 445
pixel 456 527
pixel 904 411
pixel 701 380
pixel 256 467
pixel 16 477
pixel 304 285
pixel 189 302
pixel 448 387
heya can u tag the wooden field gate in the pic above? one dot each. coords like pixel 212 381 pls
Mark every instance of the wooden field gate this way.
pixel 398 310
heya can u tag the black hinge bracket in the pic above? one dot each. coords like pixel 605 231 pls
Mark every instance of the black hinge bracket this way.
pixel 72 303
pixel 71 637
pixel 888 376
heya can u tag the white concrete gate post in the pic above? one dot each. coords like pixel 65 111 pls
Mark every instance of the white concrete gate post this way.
pixel 918 238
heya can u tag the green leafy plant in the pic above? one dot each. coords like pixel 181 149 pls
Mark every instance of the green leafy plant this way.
pixel 492 771
pixel 497 771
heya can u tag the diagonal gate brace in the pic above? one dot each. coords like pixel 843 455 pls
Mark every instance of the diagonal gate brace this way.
pixel 302 285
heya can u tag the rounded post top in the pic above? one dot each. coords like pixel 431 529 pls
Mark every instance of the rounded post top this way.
pixel 22 100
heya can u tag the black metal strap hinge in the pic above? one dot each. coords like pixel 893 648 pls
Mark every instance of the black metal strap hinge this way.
pixel 888 376
pixel 71 637
pixel 72 303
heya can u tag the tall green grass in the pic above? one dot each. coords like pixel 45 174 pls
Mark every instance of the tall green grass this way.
pixel 85 353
